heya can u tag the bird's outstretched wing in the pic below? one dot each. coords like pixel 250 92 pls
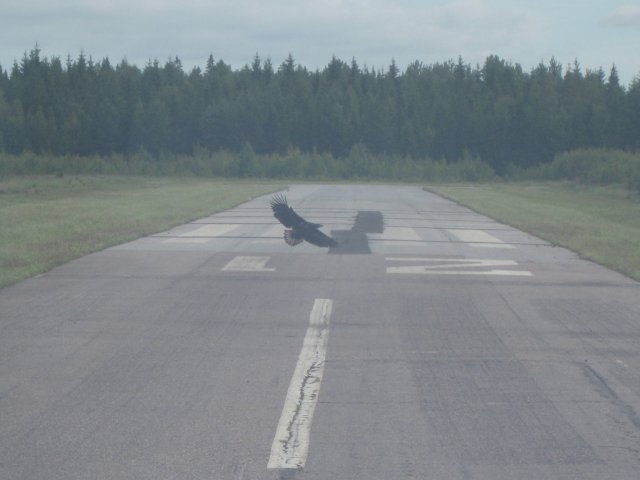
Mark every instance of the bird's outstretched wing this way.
pixel 284 213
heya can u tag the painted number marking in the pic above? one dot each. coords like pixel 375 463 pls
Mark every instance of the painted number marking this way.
pixel 439 266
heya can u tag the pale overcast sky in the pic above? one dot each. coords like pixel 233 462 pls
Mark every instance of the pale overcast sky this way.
pixel 598 33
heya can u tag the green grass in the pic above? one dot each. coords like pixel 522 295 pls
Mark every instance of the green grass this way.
pixel 599 223
pixel 46 221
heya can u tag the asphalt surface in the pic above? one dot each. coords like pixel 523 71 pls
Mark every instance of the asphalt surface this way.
pixel 439 345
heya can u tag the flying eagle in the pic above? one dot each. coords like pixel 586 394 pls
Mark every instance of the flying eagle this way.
pixel 298 229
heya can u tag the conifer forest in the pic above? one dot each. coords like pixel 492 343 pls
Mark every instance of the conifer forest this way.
pixel 495 112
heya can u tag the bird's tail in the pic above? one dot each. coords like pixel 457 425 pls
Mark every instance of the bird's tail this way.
pixel 291 239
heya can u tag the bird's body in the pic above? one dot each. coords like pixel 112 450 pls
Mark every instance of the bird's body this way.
pixel 298 229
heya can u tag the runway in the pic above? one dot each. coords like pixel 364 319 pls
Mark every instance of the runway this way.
pixel 432 343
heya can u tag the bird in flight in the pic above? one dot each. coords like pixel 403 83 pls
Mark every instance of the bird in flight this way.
pixel 298 229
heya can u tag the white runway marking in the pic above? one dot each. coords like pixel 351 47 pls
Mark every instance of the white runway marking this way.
pixel 267 241
pixel 479 239
pixel 248 264
pixel 273 235
pixel 214 230
pixel 439 266
pixel 396 233
pixel 274 231
pixel 491 245
pixel 186 240
pixel 291 443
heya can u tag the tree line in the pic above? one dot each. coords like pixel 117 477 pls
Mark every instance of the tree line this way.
pixel 497 112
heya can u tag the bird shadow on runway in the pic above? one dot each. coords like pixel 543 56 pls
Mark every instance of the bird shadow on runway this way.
pixel 355 241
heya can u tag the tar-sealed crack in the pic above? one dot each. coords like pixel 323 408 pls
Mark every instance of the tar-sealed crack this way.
pixel 310 378
pixel 599 381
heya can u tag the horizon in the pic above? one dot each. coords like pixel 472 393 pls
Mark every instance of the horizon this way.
pixel 598 34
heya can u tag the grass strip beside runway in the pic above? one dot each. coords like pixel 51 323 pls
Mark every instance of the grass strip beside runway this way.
pixel 599 223
pixel 46 221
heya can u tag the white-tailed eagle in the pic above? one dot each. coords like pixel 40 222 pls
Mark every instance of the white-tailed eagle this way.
pixel 298 229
